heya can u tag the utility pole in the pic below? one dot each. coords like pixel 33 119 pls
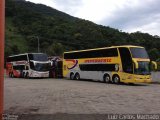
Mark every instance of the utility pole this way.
pixel 2 23
pixel 38 43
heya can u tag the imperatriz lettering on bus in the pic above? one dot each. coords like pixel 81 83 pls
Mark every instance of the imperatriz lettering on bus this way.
pixel 98 60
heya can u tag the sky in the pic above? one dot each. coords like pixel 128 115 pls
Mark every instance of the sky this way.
pixel 125 15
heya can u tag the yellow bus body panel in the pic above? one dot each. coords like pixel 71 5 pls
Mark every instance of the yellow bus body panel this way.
pixel 124 77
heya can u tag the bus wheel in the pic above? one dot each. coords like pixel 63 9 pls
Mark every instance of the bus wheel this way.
pixel 116 79
pixel 77 76
pixel 71 76
pixel 106 78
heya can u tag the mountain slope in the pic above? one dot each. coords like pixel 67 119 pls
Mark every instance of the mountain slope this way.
pixel 58 32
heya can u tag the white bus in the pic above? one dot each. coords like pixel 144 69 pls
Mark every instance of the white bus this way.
pixel 28 65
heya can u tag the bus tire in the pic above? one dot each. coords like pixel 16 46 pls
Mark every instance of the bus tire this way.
pixel 116 79
pixel 77 76
pixel 71 76
pixel 106 78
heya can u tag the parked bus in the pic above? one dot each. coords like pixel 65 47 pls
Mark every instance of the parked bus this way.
pixel 28 65
pixel 127 64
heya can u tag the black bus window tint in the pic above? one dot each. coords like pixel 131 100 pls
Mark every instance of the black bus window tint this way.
pixel 139 52
pixel 30 56
pixel 19 67
pixel 92 54
pixel 68 56
pixel 8 59
pixel 126 60
pixel 31 65
pixel 22 57
pixel 97 54
pixel 40 57
pixel 97 67
pixel 18 58
pixel 110 52
pixel 22 67
pixel 12 58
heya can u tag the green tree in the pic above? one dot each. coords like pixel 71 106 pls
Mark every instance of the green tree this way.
pixel 24 19
pixel 56 49
pixel 154 54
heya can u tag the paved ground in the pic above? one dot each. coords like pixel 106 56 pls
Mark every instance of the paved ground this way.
pixel 62 99
pixel 51 96
pixel 156 77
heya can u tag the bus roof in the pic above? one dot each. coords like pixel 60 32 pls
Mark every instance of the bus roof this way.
pixel 24 54
pixel 105 48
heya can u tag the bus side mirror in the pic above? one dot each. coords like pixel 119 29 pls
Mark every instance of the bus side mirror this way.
pixel 136 64
pixel 154 65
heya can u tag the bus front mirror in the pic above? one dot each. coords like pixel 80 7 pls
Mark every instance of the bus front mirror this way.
pixel 135 63
pixel 154 64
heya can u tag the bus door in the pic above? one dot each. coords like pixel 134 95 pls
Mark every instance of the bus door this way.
pixel 127 64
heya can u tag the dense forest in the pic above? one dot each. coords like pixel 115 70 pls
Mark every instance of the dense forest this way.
pixel 26 23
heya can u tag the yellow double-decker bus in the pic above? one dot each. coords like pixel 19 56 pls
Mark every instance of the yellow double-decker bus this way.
pixel 127 64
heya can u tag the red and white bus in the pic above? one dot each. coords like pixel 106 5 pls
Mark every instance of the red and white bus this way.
pixel 28 65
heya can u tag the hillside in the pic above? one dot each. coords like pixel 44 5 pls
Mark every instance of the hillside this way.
pixel 58 32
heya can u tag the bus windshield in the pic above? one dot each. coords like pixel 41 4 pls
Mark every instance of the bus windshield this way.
pixel 143 68
pixel 139 52
pixel 38 57
pixel 42 67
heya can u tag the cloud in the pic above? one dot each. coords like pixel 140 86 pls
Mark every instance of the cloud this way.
pixel 139 16
pixel 68 6
pixel 87 9
pixel 45 2
pixel 127 15
pixel 95 10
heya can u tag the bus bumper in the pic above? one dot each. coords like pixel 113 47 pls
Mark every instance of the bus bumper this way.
pixel 139 79
pixel 39 75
